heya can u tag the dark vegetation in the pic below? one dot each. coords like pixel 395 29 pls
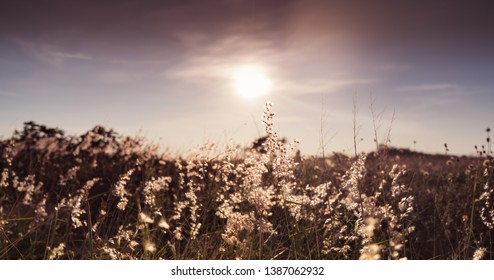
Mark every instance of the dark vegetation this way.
pixel 104 196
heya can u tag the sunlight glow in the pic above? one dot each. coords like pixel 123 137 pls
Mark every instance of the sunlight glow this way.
pixel 251 81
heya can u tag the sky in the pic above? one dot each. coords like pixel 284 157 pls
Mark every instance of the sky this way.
pixel 166 70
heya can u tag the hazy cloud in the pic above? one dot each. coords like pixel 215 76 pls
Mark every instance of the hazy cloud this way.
pixel 430 87
pixel 308 85
pixel 47 53
pixel 65 55
pixel 119 77
pixel 7 94
pixel 390 67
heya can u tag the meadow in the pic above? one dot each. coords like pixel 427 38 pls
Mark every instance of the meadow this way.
pixel 102 195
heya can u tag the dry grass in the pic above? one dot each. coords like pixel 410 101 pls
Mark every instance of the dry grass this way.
pixel 103 196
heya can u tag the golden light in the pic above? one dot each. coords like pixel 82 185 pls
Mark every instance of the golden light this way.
pixel 251 81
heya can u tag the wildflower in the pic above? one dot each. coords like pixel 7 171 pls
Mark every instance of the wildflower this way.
pixel 120 192
pixel 152 188
pixel 402 205
pixel 70 176
pixel 5 177
pixel 194 230
pixel 371 252
pixel 40 210
pixel 149 246
pixel 112 252
pixel 178 233
pixel 74 203
pixel 143 217
pixel 163 224
pixel 57 252
pixel 479 253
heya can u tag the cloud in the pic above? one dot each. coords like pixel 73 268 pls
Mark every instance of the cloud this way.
pixel 53 55
pixel 430 87
pixel 6 94
pixel 47 53
pixel 119 77
pixel 39 52
pixel 444 96
pixel 64 55
pixel 390 67
pixel 308 85
pixel 215 60
pixel 293 70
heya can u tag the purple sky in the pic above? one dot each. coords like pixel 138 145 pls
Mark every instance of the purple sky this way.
pixel 165 68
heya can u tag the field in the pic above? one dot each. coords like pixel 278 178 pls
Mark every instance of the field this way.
pixel 105 196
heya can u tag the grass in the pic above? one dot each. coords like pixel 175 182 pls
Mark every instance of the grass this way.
pixel 105 196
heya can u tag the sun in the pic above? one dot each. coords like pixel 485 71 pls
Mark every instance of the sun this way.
pixel 251 81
